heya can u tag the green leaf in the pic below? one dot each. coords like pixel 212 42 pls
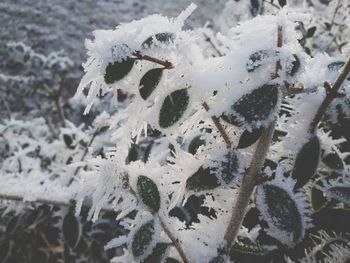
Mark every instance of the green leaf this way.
pixel 259 58
pixel 248 138
pixel 118 70
pixel 142 239
pixel 318 200
pixel 68 141
pixel 281 213
pixel 229 167
pixel 295 66
pixel 171 260
pixel 255 7
pixel 149 193
pixel 282 2
pixel 245 246
pixel 254 108
pixel 195 143
pixel 173 108
pixel 311 31
pixel 339 193
pixel 335 66
pixel 157 253
pixel 306 162
pixel 163 38
pixel 71 230
pixel 150 81
pixel 133 154
pixel 333 161
pixel 202 180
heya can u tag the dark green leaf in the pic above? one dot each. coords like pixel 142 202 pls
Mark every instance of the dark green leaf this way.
pixel 229 167
pixel 246 246
pixel 340 193
pixel 318 200
pixel 333 161
pixel 259 58
pixel 282 2
pixel 147 152
pixel 142 239
pixel 173 108
pixel 279 209
pixel 311 31
pixel 295 66
pixel 71 230
pixel 171 260
pixel 68 141
pixel 335 66
pixel 163 38
pixel 149 193
pixel 306 162
pixel 254 108
pixel 133 154
pixel 157 253
pixel 202 180
pixel 150 81
pixel 195 143
pixel 118 70
pixel 249 138
pixel 255 7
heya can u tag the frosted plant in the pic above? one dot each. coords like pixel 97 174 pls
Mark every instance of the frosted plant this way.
pixel 208 114
pixel 224 147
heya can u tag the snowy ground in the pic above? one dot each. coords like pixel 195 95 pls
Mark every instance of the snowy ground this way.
pixel 49 25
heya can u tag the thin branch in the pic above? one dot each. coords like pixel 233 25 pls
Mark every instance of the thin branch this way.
pixel 335 13
pixel 167 64
pixel 208 39
pixel 247 187
pixel 218 126
pixel 331 94
pixel 175 241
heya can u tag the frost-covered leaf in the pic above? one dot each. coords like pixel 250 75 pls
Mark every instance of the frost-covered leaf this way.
pixel 333 161
pixel 311 31
pixel 318 200
pixel 71 230
pixel 282 2
pixel 202 180
pixel 294 67
pixel 195 143
pixel 142 239
pixel 255 108
pixel 173 108
pixel 246 246
pixel 150 81
pixel 335 66
pixel 163 38
pixel 340 193
pixel 248 138
pixel 68 141
pixel 171 260
pixel 306 162
pixel 149 193
pixel 280 210
pixel 133 154
pixel 258 58
pixel 229 167
pixel 256 7
pixel 157 253
pixel 118 70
